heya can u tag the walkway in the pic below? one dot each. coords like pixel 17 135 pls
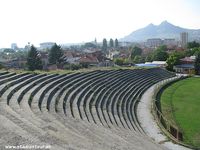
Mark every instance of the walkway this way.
pixel 149 124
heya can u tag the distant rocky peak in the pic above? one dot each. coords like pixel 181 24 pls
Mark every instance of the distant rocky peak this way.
pixel 151 24
pixel 165 23
pixel 163 30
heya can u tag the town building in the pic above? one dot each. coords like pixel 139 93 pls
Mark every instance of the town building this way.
pixel 44 58
pixel 14 46
pixel 184 39
pixel 186 65
pixel 169 42
pixel 71 57
pixel 161 64
pixel 46 45
pixel 125 44
pixel 113 54
pixel 155 42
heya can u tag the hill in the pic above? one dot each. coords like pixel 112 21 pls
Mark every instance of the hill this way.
pixel 164 30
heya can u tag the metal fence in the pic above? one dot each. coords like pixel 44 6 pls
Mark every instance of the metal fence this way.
pixel 171 130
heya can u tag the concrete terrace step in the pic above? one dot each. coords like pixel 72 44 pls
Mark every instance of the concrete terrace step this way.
pixel 85 97
pixel 60 88
pixel 37 88
pixel 57 97
pixel 107 90
pixel 6 75
pixel 76 111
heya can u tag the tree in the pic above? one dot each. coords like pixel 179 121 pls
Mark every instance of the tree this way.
pixel 119 61
pixel 148 58
pixel 55 54
pixel 89 45
pixel 173 59
pixel 116 43
pixel 105 46
pixel 192 51
pixel 138 59
pixel 72 66
pixel 21 54
pixel 95 41
pixel 9 50
pixel 1 66
pixel 197 62
pixel 135 51
pixel 33 61
pixel 160 54
pixel 163 47
pixel 127 61
pixel 111 43
pixel 193 44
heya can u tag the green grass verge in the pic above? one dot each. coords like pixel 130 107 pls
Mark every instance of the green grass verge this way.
pixel 180 104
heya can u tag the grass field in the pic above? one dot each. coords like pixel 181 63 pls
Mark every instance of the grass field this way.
pixel 180 104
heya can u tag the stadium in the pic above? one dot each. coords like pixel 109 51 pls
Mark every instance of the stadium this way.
pixel 88 110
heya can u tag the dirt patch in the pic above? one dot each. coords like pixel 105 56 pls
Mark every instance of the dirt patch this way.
pixel 196 139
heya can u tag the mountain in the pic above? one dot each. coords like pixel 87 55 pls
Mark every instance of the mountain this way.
pixel 164 30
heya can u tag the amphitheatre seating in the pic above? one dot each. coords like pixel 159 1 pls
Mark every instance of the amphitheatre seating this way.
pixel 86 96
pixel 10 77
pixel 6 75
pixel 108 87
pixel 3 73
pixel 75 82
pixel 64 108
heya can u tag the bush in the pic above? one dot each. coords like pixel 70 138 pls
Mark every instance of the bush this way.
pixel 84 65
pixel 72 66
pixel 119 61
pixel 1 66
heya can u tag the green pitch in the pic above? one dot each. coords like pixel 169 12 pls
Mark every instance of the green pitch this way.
pixel 180 103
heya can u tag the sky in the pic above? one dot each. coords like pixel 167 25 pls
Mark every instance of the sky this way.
pixel 75 21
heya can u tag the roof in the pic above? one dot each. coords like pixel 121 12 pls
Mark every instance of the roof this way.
pixel 147 65
pixel 43 54
pixel 88 59
pixel 157 62
pixel 185 66
pixel 152 64
pixel 70 54
pixel 188 59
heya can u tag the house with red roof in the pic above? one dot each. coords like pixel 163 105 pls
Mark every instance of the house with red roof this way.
pixel 186 65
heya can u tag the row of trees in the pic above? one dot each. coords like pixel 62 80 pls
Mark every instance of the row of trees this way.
pixel 193 50
pixel 112 44
pixel 55 55
pixel 10 54
pixel 172 59
pixel 34 61
pixel 159 54
pixel 136 56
